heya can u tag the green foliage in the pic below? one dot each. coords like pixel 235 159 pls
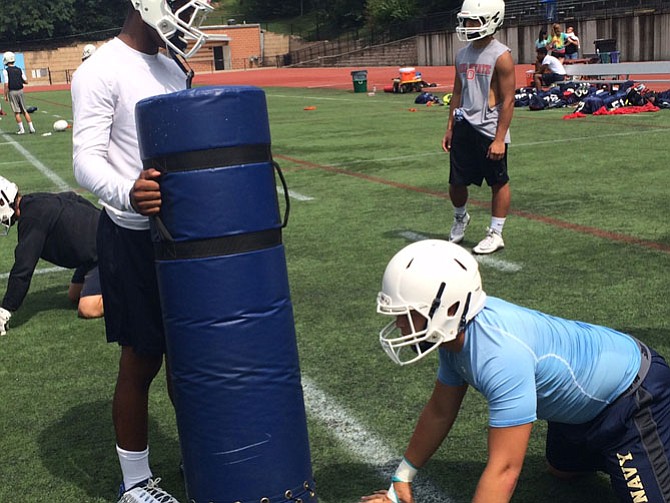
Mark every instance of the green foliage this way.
pixel 27 20
pixel 387 12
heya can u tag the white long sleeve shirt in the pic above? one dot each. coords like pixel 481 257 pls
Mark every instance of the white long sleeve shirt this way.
pixel 105 90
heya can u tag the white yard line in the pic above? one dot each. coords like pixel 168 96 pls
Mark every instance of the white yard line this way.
pixel 46 270
pixel 487 260
pixel 362 443
pixel 295 195
pixel 57 180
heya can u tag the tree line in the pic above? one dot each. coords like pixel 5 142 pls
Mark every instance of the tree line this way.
pixel 40 21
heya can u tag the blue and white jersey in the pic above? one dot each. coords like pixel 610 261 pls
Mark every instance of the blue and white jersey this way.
pixel 530 365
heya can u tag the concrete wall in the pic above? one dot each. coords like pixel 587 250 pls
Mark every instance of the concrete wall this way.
pixel 639 38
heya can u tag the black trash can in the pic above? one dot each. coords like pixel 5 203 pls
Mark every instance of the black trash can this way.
pixel 360 78
pixel 605 45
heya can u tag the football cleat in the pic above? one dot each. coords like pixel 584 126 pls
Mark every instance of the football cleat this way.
pixel 491 243
pixel 457 232
pixel 145 492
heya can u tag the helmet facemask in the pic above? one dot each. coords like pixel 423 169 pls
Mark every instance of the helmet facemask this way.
pixel 8 193
pixel 487 25
pixel 176 26
pixel 396 344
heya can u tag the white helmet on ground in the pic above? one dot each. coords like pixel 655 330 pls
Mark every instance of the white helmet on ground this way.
pixel 8 57
pixel 440 281
pixel 489 15
pixel 175 31
pixel 88 51
pixel 8 192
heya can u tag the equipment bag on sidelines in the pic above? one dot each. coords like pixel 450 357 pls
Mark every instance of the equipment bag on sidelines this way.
pixel 225 296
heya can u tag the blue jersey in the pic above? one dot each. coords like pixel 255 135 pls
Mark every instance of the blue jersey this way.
pixel 530 365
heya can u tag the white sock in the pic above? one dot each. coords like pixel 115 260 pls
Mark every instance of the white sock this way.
pixel 460 211
pixel 497 224
pixel 21 130
pixel 30 126
pixel 134 466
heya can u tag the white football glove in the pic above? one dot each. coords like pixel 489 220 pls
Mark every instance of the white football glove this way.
pixel 4 320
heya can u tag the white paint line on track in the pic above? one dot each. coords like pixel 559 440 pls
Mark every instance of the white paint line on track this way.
pixel 46 270
pixel 57 180
pixel 487 260
pixel 364 444
pixel 295 195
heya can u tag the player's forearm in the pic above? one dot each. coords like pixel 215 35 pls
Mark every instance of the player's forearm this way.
pixel 431 430
pixel 496 486
pixel 504 119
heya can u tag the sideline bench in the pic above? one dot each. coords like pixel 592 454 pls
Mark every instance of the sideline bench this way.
pixel 615 73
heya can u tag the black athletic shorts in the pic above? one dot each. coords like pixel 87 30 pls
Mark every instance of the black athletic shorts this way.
pixel 129 288
pixel 89 278
pixel 468 162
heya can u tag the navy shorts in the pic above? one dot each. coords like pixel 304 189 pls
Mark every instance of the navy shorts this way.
pixel 89 277
pixel 629 440
pixel 129 288
pixel 468 162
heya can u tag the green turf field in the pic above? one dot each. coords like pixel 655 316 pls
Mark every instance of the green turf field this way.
pixel 588 238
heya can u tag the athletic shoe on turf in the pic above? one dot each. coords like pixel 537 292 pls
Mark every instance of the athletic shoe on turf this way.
pixel 20 132
pixel 145 492
pixel 457 232
pixel 492 242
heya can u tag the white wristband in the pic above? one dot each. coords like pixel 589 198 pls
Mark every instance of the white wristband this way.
pixel 392 494
pixel 405 472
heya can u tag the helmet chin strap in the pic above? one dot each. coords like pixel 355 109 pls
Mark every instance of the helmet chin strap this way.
pixel 466 308
pixel 437 300
pixel 183 64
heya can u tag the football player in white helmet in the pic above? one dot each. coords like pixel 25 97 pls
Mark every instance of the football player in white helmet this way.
pixel 14 79
pixel 487 15
pixel 107 162
pixel 88 51
pixel 481 109
pixel 59 228
pixel 431 310
pixel 604 394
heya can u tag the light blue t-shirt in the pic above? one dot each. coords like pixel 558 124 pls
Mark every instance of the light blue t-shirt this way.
pixel 530 365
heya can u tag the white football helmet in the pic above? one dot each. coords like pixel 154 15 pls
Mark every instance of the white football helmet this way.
pixel 431 277
pixel 8 57
pixel 488 14
pixel 8 192
pixel 175 31
pixel 88 51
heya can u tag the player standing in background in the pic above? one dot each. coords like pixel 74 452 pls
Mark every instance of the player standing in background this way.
pixel 14 79
pixel 105 90
pixel 480 113
pixel 605 395
pixel 87 52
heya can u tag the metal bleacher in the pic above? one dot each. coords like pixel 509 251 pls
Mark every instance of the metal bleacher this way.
pixel 525 12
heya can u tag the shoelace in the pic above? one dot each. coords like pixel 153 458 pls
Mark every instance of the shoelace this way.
pixel 159 495
pixel 151 493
